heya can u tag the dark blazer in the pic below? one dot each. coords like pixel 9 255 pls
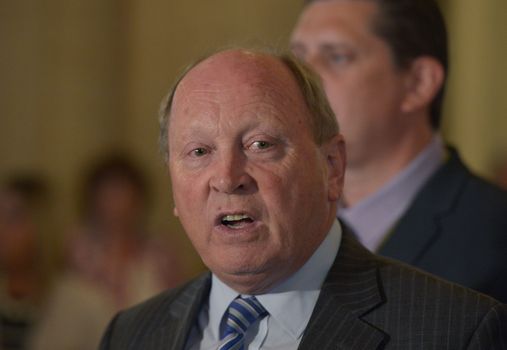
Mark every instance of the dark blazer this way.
pixel 456 228
pixel 366 302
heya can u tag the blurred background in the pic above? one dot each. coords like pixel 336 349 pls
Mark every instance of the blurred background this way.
pixel 83 78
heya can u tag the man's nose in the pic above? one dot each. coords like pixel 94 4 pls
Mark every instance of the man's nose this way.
pixel 230 174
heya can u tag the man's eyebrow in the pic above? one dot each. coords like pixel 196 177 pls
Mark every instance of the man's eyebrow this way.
pixel 333 45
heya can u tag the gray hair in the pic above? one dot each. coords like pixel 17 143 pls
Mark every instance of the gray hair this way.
pixel 322 119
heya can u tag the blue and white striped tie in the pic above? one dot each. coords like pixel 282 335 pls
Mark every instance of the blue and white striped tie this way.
pixel 241 314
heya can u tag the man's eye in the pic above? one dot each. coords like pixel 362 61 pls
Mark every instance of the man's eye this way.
pixel 260 145
pixel 335 58
pixel 199 152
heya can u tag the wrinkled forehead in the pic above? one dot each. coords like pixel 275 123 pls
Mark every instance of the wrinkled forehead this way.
pixel 236 66
pixel 237 76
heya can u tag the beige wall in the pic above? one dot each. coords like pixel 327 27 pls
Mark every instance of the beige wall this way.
pixel 79 77
pixel 477 94
pixel 59 89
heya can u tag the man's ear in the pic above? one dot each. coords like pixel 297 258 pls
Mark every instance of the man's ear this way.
pixel 336 161
pixel 175 212
pixel 424 80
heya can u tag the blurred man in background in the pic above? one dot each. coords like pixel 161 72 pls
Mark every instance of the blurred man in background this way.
pixel 407 195
pixel 112 247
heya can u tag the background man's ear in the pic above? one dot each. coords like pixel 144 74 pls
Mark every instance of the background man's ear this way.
pixel 425 78
pixel 175 212
pixel 336 161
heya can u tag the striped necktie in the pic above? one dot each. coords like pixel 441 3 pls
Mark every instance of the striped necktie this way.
pixel 241 314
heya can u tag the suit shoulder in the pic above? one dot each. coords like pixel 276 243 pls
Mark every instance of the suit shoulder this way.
pixel 462 203
pixel 410 308
pixel 131 325
pixel 456 182
pixel 405 282
pixel 420 308
pixel 492 194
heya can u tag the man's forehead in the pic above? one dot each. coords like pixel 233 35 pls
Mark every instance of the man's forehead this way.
pixel 344 12
pixel 228 68
pixel 227 75
pixel 250 86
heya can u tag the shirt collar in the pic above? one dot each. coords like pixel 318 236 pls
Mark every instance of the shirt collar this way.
pixel 291 302
pixel 373 217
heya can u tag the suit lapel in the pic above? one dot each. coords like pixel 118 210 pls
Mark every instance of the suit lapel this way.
pixel 421 226
pixel 351 290
pixel 183 312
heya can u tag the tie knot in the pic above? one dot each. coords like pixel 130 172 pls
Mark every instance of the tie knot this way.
pixel 241 314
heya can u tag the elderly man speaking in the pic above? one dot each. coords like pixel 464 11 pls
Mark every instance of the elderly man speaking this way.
pixel 257 165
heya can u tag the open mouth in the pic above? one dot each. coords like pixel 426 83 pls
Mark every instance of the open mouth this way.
pixel 236 221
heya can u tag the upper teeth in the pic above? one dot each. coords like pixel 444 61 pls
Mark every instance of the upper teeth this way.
pixel 235 217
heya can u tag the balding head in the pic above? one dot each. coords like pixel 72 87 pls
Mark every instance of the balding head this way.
pixel 253 65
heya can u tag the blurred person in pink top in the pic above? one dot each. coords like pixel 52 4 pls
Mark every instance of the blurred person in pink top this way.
pixel 112 248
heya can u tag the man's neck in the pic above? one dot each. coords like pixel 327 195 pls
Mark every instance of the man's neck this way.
pixel 366 178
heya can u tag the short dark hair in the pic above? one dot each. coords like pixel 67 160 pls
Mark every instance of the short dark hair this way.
pixel 31 188
pixel 413 28
pixel 113 166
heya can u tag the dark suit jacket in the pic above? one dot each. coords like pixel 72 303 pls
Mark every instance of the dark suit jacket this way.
pixel 366 302
pixel 456 228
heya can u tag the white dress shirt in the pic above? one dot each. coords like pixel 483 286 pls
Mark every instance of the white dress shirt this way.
pixel 290 305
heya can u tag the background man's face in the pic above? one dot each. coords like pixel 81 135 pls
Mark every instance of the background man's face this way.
pixel 249 183
pixel 363 86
